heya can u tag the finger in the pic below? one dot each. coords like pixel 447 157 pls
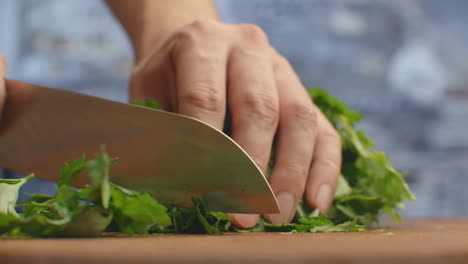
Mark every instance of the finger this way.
pixel 245 221
pixel 296 137
pixel 201 80
pixel 153 78
pixel 3 67
pixel 325 168
pixel 253 103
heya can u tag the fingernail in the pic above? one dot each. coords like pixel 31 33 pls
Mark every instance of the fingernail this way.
pixel 323 198
pixel 287 204
pixel 246 220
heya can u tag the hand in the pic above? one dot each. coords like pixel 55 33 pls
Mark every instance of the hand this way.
pixel 207 65
pixel 3 67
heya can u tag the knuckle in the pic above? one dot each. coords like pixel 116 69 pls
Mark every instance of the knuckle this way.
pixel 200 35
pixel 293 178
pixel 283 64
pixel 331 164
pixel 204 26
pixel 262 108
pixel 281 59
pixel 298 174
pixel 185 36
pixel 254 33
pixel 205 96
pixel 260 160
pixel 332 136
pixel 303 113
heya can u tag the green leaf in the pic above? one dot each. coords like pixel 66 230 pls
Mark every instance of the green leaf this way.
pixel 332 107
pixel 198 220
pixel 98 171
pixel 70 171
pixel 349 226
pixel 209 229
pixel 342 188
pixel 8 223
pixel 45 216
pixel 9 189
pixel 317 221
pixel 150 103
pixel 91 222
pixel 283 228
pixel 137 213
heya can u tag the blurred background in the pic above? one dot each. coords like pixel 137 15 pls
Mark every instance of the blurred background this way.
pixel 402 63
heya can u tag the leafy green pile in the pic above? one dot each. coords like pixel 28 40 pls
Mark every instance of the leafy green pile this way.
pixel 87 211
pixel 368 187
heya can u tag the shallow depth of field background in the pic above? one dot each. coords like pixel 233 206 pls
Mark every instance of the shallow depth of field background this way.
pixel 403 63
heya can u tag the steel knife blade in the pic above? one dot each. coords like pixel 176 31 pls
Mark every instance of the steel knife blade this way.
pixel 167 155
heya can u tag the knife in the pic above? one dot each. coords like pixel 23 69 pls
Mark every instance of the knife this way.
pixel 170 156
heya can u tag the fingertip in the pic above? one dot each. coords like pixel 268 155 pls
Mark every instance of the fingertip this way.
pixel 322 198
pixel 287 204
pixel 245 221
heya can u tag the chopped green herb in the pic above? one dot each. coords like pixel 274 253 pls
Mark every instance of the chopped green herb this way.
pixel 80 212
pixel 198 220
pixel 368 187
pixel 150 103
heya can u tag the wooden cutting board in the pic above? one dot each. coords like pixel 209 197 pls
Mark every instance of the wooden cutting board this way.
pixel 423 241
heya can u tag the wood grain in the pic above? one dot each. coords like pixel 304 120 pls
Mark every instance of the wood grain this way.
pixel 417 241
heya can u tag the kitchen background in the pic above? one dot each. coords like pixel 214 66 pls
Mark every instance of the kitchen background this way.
pixel 403 63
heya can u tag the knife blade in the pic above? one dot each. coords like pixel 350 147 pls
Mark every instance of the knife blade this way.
pixel 167 155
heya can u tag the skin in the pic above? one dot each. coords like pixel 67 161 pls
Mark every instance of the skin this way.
pixel 197 66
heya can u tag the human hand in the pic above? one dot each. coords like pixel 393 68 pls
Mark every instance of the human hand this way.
pixel 207 67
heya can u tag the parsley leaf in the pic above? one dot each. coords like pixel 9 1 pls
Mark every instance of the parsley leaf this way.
pixel 136 213
pixel 149 102
pixel 80 212
pixel 9 189
pixel 372 185
pixel 198 220
pixel 368 187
